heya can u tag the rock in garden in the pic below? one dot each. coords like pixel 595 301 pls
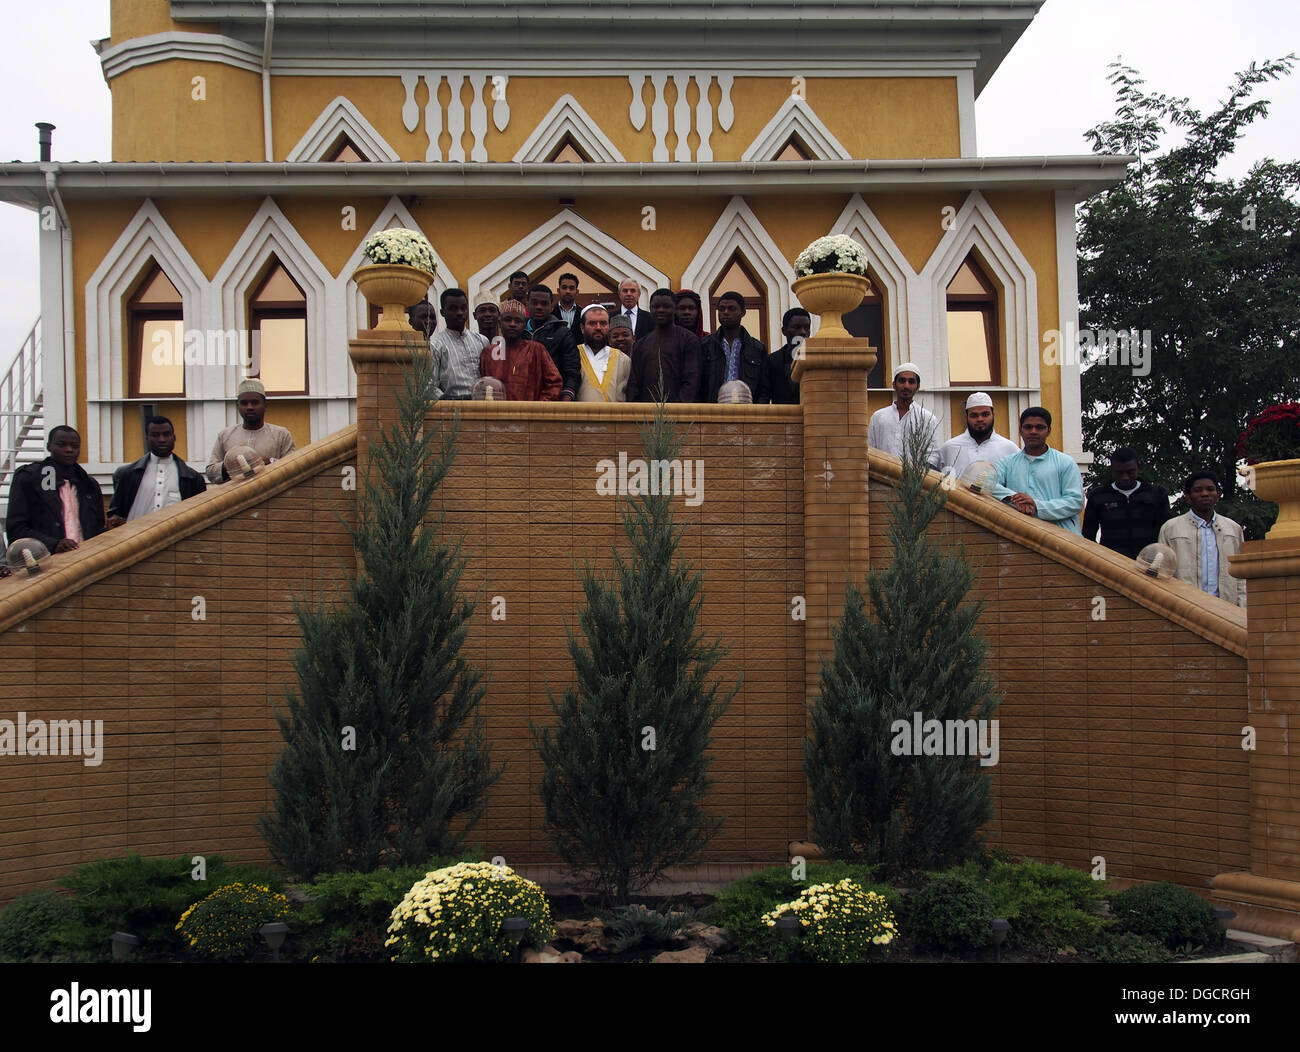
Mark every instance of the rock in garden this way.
pixel 693 955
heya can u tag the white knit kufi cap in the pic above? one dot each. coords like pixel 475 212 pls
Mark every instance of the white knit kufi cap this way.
pixel 250 386
pixel 979 398
pixel 907 367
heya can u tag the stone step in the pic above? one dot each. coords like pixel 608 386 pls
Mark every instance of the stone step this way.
pixel 1236 958
pixel 1281 950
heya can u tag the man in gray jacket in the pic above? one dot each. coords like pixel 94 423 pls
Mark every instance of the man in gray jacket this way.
pixel 1203 540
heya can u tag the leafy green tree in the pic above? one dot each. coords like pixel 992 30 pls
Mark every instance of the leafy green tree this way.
pixel 384 749
pixel 1210 266
pixel 915 651
pixel 625 763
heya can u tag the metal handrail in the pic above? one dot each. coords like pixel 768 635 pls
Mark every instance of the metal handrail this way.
pixel 20 395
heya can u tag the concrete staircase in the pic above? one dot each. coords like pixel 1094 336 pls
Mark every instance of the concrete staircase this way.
pixel 22 412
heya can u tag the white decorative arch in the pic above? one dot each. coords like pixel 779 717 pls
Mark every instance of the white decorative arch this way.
pixel 891 268
pixel 147 236
pixel 567 117
pixel 976 226
pixel 393 214
pixel 565 231
pixel 795 117
pixel 270 232
pixel 341 117
pixel 739 228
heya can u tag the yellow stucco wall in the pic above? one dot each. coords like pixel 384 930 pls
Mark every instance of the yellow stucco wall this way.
pixel 156 116
pixel 140 18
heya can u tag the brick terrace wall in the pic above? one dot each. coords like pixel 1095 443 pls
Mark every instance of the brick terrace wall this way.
pixel 523 493
pixel 1119 738
pixel 187 705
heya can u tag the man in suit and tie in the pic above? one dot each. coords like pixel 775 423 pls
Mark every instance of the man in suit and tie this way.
pixel 629 296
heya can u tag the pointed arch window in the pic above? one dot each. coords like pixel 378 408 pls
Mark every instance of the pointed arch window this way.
pixel 568 152
pixel 157 337
pixel 739 276
pixel 593 285
pixel 794 150
pixel 867 320
pixel 345 150
pixel 277 312
pixel 973 354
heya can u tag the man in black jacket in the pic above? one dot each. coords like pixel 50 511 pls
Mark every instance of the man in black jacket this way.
pixel 170 479
pixel 1129 512
pixel 781 386
pixel 556 337
pixel 731 353
pixel 566 307
pixel 56 502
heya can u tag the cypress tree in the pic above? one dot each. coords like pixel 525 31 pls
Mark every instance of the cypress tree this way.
pixel 384 747
pixel 916 652
pixel 625 764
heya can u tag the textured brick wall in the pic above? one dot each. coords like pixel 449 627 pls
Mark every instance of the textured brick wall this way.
pixel 187 704
pixel 1119 737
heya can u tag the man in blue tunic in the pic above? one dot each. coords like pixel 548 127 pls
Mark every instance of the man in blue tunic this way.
pixel 1038 480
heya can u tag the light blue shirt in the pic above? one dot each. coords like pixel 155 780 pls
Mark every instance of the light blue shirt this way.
pixel 1209 553
pixel 1052 479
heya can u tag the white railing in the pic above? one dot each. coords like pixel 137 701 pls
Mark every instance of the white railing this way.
pixel 20 403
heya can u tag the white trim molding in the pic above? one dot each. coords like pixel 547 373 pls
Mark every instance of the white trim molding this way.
pixel 567 117
pixel 147 236
pixel 564 232
pixel 795 117
pixel 341 117
pixel 976 226
pixel 1067 312
pixel 893 273
pixel 739 228
pixel 270 232
pixel 175 45
pixel 966 113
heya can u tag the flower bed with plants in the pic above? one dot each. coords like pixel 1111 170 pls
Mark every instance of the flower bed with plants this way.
pixel 455 912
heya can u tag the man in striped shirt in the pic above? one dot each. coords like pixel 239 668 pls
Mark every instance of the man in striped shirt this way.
pixel 455 349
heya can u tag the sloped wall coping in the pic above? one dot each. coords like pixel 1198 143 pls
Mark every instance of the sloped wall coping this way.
pixel 22 596
pixel 1212 619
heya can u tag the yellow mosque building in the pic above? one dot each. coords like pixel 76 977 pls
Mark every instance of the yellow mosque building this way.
pixel 257 144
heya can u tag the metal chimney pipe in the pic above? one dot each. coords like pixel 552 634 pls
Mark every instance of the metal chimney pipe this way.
pixel 46 138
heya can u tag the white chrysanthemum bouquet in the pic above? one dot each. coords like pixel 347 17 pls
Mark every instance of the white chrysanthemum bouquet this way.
pixel 836 253
pixel 455 914
pixel 399 245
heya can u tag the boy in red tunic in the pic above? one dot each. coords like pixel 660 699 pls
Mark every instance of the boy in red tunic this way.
pixel 524 366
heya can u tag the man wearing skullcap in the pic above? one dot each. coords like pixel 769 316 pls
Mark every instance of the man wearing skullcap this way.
pixel 487 316
pixel 890 426
pixel 268 440
pixel 621 337
pixel 978 442
pixel 604 368
pixel 523 366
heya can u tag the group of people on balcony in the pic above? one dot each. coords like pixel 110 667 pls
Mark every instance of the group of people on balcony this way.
pixel 1042 482
pixel 542 349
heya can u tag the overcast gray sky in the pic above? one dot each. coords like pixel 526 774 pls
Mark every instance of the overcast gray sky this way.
pixel 1049 91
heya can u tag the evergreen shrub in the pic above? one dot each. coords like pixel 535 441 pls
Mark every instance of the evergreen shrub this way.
pixel 1049 906
pixel 1166 913
pixel 144 896
pixel 951 914
pixel 30 926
